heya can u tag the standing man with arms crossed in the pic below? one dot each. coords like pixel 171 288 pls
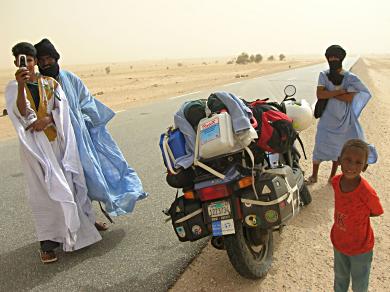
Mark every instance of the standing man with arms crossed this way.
pixel 345 96
pixel 109 178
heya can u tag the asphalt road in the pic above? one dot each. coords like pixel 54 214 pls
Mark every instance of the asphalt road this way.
pixel 140 252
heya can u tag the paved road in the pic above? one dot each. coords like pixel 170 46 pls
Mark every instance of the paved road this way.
pixel 140 252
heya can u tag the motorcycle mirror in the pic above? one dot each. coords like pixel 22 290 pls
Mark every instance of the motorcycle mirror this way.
pixel 289 90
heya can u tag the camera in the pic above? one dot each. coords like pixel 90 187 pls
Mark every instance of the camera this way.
pixel 22 60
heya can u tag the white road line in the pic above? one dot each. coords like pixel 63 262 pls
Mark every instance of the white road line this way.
pixel 120 111
pixel 232 83
pixel 179 96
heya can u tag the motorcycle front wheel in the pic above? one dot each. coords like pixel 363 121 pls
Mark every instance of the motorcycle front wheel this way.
pixel 250 259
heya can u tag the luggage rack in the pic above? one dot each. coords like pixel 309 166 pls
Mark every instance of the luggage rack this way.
pixel 220 163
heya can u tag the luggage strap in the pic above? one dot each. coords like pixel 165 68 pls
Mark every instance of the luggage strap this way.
pixel 105 213
pixel 288 196
pixel 216 173
pixel 202 165
pixel 189 216
pixel 301 143
pixel 168 152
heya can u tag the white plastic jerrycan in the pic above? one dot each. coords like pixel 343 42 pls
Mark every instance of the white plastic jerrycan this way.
pixel 216 136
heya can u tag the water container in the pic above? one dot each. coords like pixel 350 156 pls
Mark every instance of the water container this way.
pixel 216 136
pixel 176 143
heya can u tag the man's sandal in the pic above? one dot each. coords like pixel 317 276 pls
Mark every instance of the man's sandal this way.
pixel 48 256
pixel 310 180
pixel 101 226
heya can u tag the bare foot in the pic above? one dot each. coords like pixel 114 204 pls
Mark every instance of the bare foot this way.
pixel 311 180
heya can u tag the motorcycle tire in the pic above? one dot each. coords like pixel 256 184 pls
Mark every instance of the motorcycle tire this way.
pixel 247 259
pixel 305 195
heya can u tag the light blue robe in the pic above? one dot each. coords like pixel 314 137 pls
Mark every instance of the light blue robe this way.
pixel 108 176
pixel 339 122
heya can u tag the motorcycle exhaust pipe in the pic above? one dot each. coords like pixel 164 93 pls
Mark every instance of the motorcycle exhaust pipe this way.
pixel 217 242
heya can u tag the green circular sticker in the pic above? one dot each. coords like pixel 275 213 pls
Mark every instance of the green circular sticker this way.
pixel 271 216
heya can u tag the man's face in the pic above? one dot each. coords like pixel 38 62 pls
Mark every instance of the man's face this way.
pixel 46 61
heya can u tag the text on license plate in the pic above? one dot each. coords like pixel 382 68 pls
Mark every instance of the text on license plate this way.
pixel 219 209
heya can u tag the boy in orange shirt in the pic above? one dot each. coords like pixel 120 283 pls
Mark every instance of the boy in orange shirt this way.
pixel 355 202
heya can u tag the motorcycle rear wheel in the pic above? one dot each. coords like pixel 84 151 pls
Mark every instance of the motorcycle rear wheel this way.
pixel 249 260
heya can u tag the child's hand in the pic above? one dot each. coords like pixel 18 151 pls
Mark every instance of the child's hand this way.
pixel 22 75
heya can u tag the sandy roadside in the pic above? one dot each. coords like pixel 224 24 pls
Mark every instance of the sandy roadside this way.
pixel 303 256
pixel 133 84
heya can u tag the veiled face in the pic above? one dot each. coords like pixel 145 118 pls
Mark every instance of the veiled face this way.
pixel 333 58
pixel 46 61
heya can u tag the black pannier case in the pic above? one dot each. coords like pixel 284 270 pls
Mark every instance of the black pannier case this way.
pixel 277 202
pixel 187 219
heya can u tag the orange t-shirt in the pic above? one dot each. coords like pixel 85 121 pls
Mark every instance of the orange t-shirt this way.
pixel 351 233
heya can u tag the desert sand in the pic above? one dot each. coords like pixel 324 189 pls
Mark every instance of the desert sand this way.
pixel 132 84
pixel 303 255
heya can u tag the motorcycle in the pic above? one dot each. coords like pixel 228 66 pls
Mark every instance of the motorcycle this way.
pixel 243 209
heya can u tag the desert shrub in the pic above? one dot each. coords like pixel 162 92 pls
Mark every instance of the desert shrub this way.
pixel 179 64
pixel 270 58
pixel 282 57
pixel 108 69
pixel 258 58
pixel 243 58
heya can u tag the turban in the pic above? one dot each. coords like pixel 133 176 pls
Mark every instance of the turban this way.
pixel 335 51
pixel 46 48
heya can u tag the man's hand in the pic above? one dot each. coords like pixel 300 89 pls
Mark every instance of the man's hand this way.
pixel 22 75
pixel 40 124
pixel 322 93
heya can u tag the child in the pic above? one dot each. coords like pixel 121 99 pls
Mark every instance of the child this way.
pixel 355 202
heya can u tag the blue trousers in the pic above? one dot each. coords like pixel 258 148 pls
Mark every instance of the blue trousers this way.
pixel 356 267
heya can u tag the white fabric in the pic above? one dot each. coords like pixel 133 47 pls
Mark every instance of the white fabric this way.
pixel 55 180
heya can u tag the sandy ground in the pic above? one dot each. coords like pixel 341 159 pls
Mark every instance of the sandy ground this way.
pixel 132 84
pixel 303 256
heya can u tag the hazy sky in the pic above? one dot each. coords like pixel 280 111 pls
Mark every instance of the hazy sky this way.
pixel 91 31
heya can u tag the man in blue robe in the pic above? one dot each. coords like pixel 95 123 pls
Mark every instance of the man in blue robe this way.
pixel 346 97
pixel 108 176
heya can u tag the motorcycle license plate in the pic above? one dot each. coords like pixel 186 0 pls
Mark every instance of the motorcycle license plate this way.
pixel 219 209
pixel 223 227
pixel 220 213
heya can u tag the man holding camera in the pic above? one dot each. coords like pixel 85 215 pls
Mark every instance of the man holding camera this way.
pixel 56 187
pixel 109 178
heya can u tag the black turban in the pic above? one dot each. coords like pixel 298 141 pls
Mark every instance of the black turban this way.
pixel 335 51
pixel 46 48
pixel 25 49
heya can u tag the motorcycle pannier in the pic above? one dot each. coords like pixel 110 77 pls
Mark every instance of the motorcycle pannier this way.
pixel 187 219
pixel 278 199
